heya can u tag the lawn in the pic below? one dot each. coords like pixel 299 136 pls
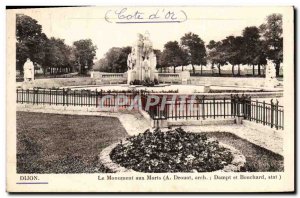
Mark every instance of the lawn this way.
pixel 54 143
pixel 258 159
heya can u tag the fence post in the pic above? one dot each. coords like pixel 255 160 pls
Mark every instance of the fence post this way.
pixel 264 112
pixel 249 109
pixel 22 95
pixel 50 90
pixel 27 91
pixel 63 95
pixel 186 108
pixel 89 98
pixel 56 96
pixel 203 108
pixel 18 96
pixel 44 94
pixel 245 109
pixel 67 97
pixel 238 106
pixel 231 104
pixel 37 96
pixel 74 97
pixel 276 114
pixel 33 91
pixel 214 104
pixel 96 98
pixel 272 113
pixel 224 106
pixel 256 111
pixel 197 109
pixel 81 99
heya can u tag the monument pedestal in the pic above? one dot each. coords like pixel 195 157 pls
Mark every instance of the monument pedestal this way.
pixel 185 76
pixel 130 76
pixel 270 80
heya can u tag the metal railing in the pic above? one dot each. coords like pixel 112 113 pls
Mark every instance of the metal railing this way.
pixel 270 114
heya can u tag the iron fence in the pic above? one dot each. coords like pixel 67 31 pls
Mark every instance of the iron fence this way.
pixel 270 114
pixel 68 97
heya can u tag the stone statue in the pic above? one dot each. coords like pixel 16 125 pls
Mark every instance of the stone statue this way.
pixel 270 80
pixel 146 67
pixel 28 70
pixel 141 62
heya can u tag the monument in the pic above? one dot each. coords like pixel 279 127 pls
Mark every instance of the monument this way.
pixel 28 70
pixel 270 80
pixel 141 61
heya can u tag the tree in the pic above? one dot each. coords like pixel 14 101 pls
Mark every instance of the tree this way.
pixel 250 45
pixel 85 52
pixel 158 54
pixel 115 60
pixel 216 54
pixel 260 57
pixel 30 41
pixel 272 35
pixel 58 54
pixel 172 55
pixel 233 48
pixel 101 65
pixel 195 49
pixel 253 52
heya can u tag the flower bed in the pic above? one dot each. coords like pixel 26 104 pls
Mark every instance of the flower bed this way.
pixel 171 151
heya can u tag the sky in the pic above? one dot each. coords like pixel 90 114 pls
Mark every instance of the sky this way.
pixel 210 23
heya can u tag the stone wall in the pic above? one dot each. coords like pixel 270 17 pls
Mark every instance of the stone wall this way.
pixel 121 78
pixel 109 78
pixel 228 81
pixel 57 82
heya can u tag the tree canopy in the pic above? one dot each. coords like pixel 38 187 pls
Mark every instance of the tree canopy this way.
pixel 216 54
pixel 271 32
pixel 253 52
pixel 85 51
pixel 195 49
pixel 115 60
pixel 252 47
pixel 173 55
pixel 30 41
pixel 50 53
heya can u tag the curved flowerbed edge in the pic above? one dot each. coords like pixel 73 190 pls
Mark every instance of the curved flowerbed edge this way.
pixel 105 160
pixel 237 163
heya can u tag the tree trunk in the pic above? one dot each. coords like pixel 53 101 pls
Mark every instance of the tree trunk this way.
pixel 239 70
pixel 232 70
pixel 201 70
pixel 277 67
pixel 193 69
pixel 219 68
pixel 253 70
pixel 174 69
pixel 258 70
pixel 182 68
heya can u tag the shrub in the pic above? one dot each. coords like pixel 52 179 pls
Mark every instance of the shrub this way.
pixel 171 151
pixel 146 83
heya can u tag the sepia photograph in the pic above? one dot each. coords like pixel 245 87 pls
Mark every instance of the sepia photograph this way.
pixel 150 94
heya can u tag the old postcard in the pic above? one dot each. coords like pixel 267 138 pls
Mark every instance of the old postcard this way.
pixel 150 99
